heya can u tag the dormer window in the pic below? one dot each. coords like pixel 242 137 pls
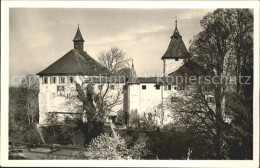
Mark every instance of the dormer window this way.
pixel 62 80
pixel 45 80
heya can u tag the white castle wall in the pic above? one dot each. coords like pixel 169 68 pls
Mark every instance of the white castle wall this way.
pixel 171 65
pixel 151 101
pixel 49 101
pixel 155 101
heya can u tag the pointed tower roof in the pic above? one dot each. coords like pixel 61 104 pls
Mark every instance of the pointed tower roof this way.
pixel 176 48
pixel 133 77
pixel 78 37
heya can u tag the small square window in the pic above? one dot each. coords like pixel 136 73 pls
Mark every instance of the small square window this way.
pixel 169 87
pixel 157 87
pixel 100 87
pixel 112 87
pixel 181 87
pixel 174 99
pixel 62 79
pixel 176 59
pixel 45 80
pixel 60 91
pixel 125 87
pixel 144 87
pixel 53 80
pixel 210 99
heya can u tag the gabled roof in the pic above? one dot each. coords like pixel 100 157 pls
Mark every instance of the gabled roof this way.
pixel 78 37
pixel 176 48
pixel 75 63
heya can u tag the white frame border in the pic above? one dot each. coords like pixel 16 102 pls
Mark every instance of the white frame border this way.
pixel 5 5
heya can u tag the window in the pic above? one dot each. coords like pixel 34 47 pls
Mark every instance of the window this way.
pixel 53 80
pixel 181 87
pixel 125 87
pixel 176 59
pixel 210 99
pixel 45 80
pixel 208 88
pixel 175 88
pixel 62 80
pixel 100 87
pixel 60 91
pixel 169 87
pixel 157 87
pixel 71 79
pixel 174 99
pixel 112 87
pixel 143 87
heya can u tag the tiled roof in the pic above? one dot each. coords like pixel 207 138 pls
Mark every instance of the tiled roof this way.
pixel 78 37
pixel 176 48
pixel 189 68
pixel 75 63
pixel 105 79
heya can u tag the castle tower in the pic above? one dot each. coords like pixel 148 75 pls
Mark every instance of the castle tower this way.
pixel 78 41
pixel 175 54
pixel 133 95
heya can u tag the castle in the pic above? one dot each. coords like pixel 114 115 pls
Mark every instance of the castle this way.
pixel 145 96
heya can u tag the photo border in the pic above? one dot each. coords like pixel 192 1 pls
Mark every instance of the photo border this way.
pixel 6 5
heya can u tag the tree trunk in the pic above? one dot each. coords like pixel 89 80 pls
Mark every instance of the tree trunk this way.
pixel 219 124
pixel 40 133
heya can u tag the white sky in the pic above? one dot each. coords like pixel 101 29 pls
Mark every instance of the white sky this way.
pixel 40 36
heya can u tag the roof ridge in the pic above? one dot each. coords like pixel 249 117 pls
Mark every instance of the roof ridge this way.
pixel 78 60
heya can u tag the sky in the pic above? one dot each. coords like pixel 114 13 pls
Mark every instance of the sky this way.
pixel 40 36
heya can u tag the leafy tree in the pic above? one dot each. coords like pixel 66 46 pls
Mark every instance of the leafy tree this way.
pixel 215 49
pixel 23 111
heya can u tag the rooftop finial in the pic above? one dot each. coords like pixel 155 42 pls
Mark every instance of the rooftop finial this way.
pixel 132 63
pixel 78 23
pixel 175 22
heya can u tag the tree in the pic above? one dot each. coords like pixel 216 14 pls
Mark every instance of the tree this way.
pixel 240 22
pixel 23 112
pixel 212 50
pixel 97 105
pixel 114 59
pixel 215 49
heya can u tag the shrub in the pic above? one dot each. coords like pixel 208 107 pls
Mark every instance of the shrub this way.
pixel 109 147
pixel 115 147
